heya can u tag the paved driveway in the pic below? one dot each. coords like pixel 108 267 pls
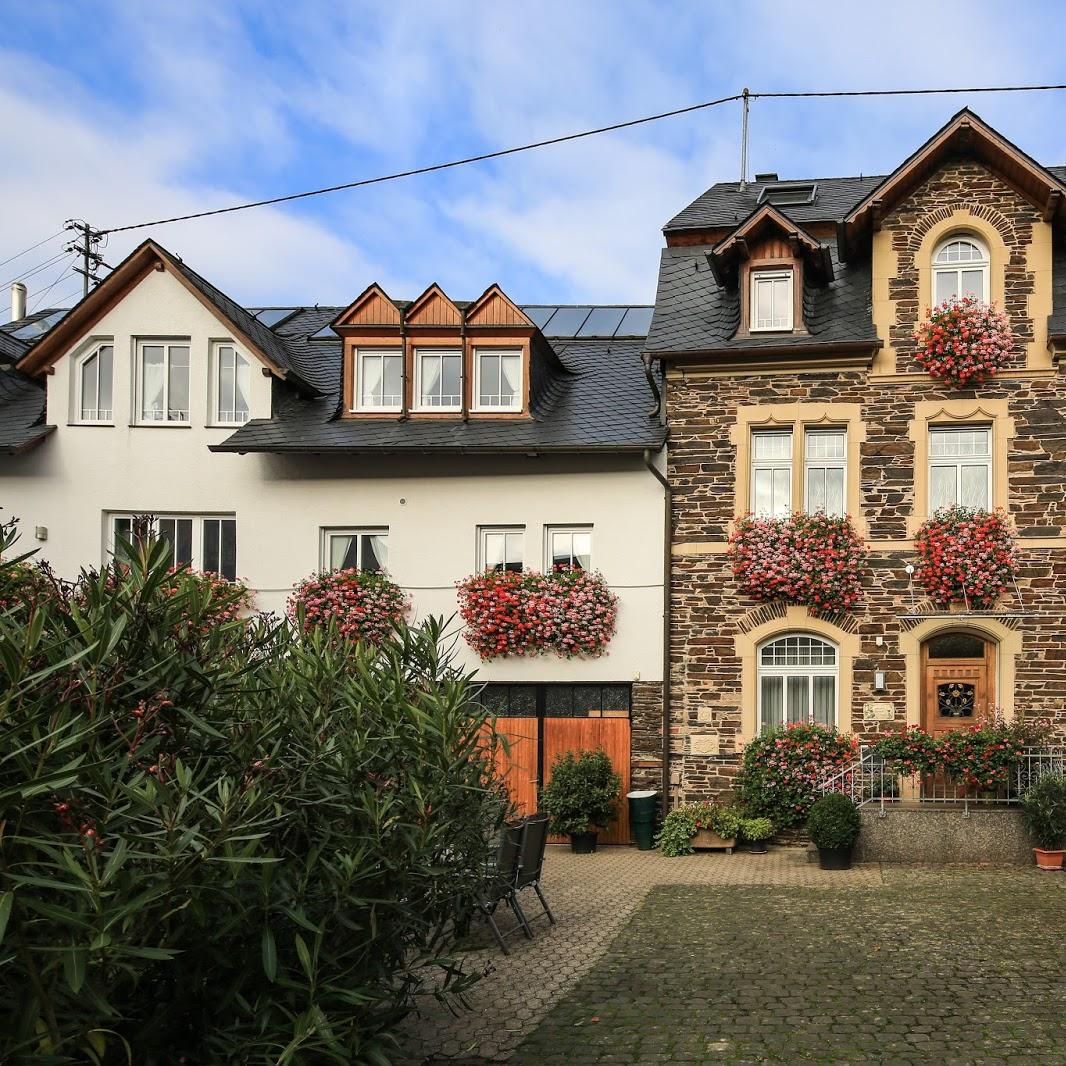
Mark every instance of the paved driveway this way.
pixel 749 959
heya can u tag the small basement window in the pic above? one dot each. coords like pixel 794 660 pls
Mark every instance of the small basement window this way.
pixel 783 194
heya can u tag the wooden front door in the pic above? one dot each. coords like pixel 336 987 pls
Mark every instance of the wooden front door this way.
pixel 958 681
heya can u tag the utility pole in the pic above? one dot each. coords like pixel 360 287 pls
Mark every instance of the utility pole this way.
pixel 744 141
pixel 85 246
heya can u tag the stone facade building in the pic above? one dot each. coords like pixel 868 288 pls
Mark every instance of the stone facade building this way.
pixel 785 319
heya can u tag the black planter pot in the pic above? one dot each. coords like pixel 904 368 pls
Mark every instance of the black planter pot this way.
pixel 757 847
pixel 583 843
pixel 834 858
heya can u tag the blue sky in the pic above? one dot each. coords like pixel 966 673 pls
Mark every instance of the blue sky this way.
pixel 124 112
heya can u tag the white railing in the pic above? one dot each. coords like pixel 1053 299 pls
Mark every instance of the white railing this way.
pixel 873 780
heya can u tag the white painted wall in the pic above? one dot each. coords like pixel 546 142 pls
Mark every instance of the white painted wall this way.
pixel 431 505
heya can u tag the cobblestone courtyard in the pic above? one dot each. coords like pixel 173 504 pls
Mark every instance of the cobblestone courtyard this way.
pixel 748 959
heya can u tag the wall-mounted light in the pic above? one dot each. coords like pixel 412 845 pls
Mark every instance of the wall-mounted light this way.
pixel 41 532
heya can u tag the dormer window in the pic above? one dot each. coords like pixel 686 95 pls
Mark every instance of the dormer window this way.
pixel 783 194
pixel 94 384
pixel 960 268
pixel 498 379
pixel 771 300
pixel 439 379
pixel 379 379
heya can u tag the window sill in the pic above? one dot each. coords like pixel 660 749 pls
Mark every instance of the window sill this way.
pixel 160 425
pixel 86 425
pixel 772 329
pixel 375 411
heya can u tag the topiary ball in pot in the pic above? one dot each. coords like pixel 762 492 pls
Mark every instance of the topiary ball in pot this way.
pixel 581 796
pixel 834 826
pixel 1044 808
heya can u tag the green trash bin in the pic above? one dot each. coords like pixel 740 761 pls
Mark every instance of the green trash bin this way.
pixel 643 806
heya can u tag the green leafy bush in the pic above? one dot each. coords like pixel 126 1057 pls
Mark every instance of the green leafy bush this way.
pixel 755 830
pixel 783 768
pixel 581 792
pixel 223 840
pixel 681 824
pixel 834 822
pixel 1044 808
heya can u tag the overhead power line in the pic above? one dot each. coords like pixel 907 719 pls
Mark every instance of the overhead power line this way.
pixel 547 143
pixel 23 275
pixel 25 251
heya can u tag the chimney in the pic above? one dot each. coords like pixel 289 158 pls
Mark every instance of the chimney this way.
pixel 768 177
pixel 18 301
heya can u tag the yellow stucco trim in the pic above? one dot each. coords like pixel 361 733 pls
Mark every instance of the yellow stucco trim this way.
pixel 944 412
pixel 799 417
pixel 795 620
pixel 1008 647
pixel 884 266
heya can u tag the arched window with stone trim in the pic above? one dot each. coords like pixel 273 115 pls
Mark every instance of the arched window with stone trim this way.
pixel 798 681
pixel 960 268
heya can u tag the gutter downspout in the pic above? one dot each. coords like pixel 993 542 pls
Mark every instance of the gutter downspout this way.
pixel 667 537
pixel 404 408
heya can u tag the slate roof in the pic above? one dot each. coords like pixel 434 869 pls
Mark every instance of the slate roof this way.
pixel 593 396
pixel 21 411
pixel 694 314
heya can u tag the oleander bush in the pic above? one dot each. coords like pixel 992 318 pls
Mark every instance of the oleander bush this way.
pixel 231 842
pixel 1044 810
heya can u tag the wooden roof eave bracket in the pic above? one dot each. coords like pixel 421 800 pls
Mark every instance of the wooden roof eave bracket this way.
pixel 1051 208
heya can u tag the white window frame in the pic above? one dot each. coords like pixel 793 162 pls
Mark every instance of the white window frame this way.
pixel 517 404
pixel 550 531
pixel 984 265
pixel 357 387
pixel 216 383
pixel 79 366
pixel 434 408
pixel 166 344
pixel 959 462
pixel 329 532
pixel 197 536
pixel 815 463
pixel 763 277
pixel 809 671
pixel 507 532
pixel 771 465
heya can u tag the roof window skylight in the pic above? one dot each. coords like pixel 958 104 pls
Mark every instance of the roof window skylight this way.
pixel 784 193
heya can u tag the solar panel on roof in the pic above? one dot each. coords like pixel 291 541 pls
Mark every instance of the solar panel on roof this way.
pixel 602 322
pixel 273 315
pixel 324 334
pixel 635 323
pixel 539 314
pixel 41 326
pixel 567 321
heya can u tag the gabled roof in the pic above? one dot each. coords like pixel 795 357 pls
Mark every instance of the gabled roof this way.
pixel 964 134
pixel 373 306
pixel 764 220
pixel 433 308
pixel 148 256
pixel 494 307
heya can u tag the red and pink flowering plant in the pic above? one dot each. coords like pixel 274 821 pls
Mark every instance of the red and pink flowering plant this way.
pixel 815 560
pixel 364 606
pixel 964 340
pixel 569 611
pixel 966 555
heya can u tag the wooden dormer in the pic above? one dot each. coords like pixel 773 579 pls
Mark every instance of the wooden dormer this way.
pixel 383 337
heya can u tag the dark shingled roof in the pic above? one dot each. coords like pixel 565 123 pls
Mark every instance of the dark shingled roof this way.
pixel 21 412
pixel 592 397
pixel 694 314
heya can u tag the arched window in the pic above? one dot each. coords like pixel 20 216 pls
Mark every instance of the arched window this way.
pixel 960 268
pixel 797 681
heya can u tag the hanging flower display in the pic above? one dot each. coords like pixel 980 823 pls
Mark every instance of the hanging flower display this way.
pixel 364 606
pixel 966 555
pixel 814 560
pixel 570 611
pixel 964 340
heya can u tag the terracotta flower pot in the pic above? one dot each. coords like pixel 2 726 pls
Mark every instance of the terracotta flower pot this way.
pixel 1047 859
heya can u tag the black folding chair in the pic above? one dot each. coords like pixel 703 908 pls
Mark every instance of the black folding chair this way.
pixel 531 866
pixel 499 883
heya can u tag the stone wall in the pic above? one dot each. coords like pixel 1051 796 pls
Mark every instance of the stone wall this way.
pixel 944 836
pixel 646 743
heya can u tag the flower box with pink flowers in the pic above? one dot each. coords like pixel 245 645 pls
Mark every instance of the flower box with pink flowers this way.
pixel 964 341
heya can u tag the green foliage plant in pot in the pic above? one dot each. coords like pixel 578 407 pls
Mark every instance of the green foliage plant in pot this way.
pixel 1044 808
pixel 698 825
pixel 755 832
pixel 834 825
pixel 581 797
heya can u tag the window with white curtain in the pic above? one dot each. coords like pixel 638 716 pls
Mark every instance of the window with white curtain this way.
pixel 356 549
pixel 379 379
pixel 569 546
pixel 770 295
pixel 960 268
pixel 771 473
pixel 501 548
pixel 797 682
pixel 440 379
pixel 163 382
pixel 498 379
pixel 232 385
pixel 95 385
pixel 960 467
pixel 825 469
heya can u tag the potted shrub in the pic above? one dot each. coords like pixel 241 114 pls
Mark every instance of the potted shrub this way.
pixel 698 825
pixel 755 832
pixel 834 827
pixel 581 797
pixel 1044 808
